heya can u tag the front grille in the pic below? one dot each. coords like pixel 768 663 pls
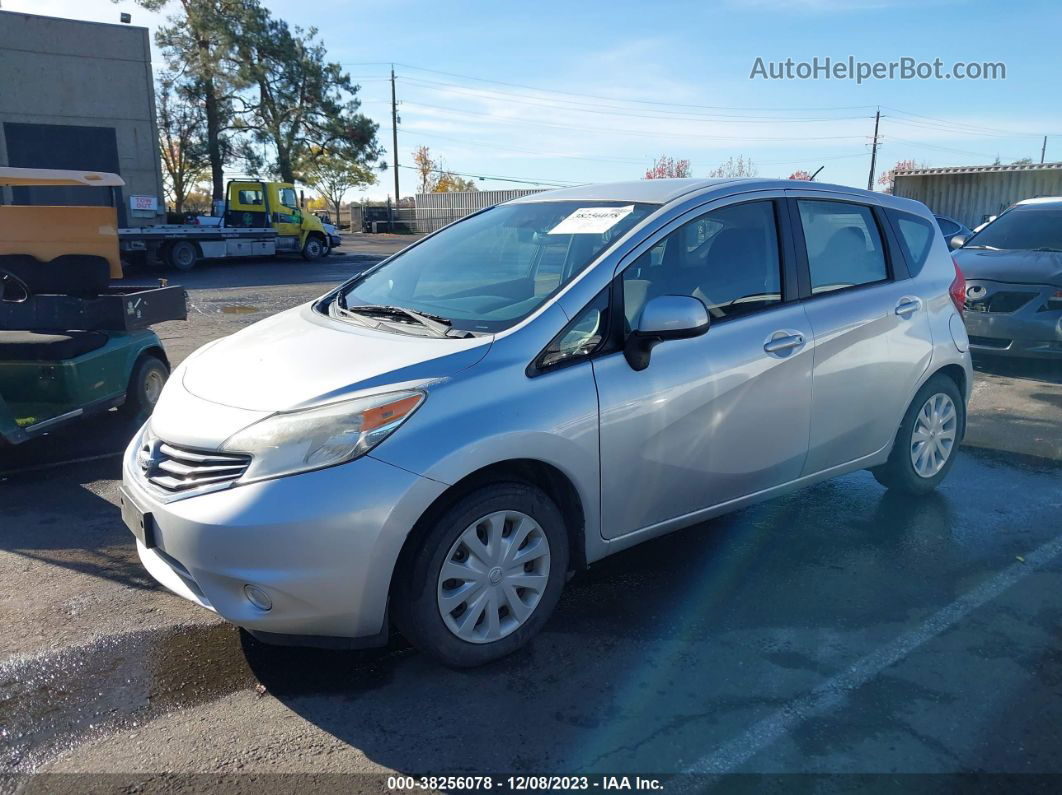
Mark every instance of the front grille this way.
pixel 1003 301
pixel 178 469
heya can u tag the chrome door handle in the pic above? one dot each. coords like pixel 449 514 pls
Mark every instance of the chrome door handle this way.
pixel 783 343
pixel 908 305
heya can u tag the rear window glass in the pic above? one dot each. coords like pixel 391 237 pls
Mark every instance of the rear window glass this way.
pixel 916 237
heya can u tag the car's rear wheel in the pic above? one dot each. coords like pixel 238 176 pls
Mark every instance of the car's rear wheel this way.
pixel 485 577
pixel 927 440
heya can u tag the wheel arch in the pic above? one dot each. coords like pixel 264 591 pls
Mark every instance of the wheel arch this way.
pixel 531 471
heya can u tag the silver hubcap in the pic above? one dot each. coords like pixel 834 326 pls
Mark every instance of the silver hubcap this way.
pixel 934 435
pixel 153 384
pixel 493 577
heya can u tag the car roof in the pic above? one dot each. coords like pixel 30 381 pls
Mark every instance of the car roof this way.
pixel 663 191
pixel 1039 200
pixel 650 191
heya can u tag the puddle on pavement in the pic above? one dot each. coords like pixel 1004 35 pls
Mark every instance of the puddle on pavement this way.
pixel 49 704
pixel 239 309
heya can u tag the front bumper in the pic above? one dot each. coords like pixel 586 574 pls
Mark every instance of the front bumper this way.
pixel 322 545
pixel 1033 329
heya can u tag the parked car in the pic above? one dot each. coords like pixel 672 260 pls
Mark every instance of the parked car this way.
pixel 949 227
pixel 1014 281
pixel 440 440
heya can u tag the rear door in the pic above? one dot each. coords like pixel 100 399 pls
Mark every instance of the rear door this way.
pixel 715 417
pixel 870 322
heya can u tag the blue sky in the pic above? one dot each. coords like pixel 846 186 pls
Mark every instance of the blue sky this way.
pixel 594 91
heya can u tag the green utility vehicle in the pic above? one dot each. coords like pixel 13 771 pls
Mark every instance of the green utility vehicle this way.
pixel 71 343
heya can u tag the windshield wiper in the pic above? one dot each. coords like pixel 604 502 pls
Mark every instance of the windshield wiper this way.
pixel 982 245
pixel 1046 248
pixel 438 326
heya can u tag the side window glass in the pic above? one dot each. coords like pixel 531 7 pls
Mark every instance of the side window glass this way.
pixel 581 336
pixel 289 199
pixel 727 258
pixel 947 226
pixel 843 244
pixel 916 237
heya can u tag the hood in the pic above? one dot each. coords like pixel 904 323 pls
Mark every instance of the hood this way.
pixel 1015 266
pixel 299 357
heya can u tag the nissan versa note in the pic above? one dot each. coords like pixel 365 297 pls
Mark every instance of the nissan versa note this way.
pixel 437 443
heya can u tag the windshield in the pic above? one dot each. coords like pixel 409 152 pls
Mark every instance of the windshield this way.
pixel 488 272
pixel 1027 227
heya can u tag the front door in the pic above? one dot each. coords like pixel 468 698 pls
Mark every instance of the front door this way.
pixel 715 417
pixel 287 219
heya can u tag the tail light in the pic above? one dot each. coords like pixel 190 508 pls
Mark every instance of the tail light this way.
pixel 957 290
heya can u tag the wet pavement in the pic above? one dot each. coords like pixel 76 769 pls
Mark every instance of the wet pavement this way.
pixel 839 629
pixel 657 660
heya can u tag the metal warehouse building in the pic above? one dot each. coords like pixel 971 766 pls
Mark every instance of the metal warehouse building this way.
pixel 436 210
pixel 80 95
pixel 972 194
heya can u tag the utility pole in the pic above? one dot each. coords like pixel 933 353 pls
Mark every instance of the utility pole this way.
pixel 1043 151
pixel 874 151
pixel 394 137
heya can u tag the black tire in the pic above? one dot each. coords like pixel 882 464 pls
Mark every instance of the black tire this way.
pixel 142 394
pixel 313 249
pixel 415 604
pixel 182 255
pixel 899 472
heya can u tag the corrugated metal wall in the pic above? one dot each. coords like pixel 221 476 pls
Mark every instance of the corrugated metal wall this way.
pixel 436 210
pixel 973 197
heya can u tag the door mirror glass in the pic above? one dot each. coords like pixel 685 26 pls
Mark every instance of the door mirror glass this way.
pixel 666 317
pixel 957 241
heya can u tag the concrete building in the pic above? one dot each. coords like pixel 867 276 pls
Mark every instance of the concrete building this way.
pixel 973 194
pixel 80 95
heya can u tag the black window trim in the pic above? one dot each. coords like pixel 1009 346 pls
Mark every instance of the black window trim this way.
pixel 895 269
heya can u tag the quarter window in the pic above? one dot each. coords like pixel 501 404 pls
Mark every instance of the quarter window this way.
pixel 727 258
pixel 916 237
pixel 843 244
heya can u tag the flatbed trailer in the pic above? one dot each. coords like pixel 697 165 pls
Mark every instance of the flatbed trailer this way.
pixel 159 243
pixel 261 219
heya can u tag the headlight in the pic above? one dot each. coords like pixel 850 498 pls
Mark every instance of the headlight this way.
pixel 298 441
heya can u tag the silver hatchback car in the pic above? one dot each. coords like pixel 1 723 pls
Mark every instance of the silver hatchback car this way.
pixel 438 442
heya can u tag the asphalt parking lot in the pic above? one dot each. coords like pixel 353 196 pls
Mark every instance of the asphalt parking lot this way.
pixel 841 629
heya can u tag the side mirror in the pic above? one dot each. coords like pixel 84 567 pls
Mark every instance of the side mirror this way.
pixel 957 241
pixel 666 317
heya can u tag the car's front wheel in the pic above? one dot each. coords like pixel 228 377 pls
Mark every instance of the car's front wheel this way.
pixel 484 578
pixel 928 439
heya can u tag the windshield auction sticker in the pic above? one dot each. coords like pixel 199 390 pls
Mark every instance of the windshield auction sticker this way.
pixel 591 220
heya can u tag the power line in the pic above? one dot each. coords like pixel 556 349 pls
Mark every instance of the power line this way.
pixel 524 180
pixel 614 99
pixel 620 131
pixel 616 110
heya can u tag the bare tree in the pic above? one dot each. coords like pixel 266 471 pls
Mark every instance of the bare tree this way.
pixel 182 140
pixel 800 174
pixel 741 167
pixel 666 167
